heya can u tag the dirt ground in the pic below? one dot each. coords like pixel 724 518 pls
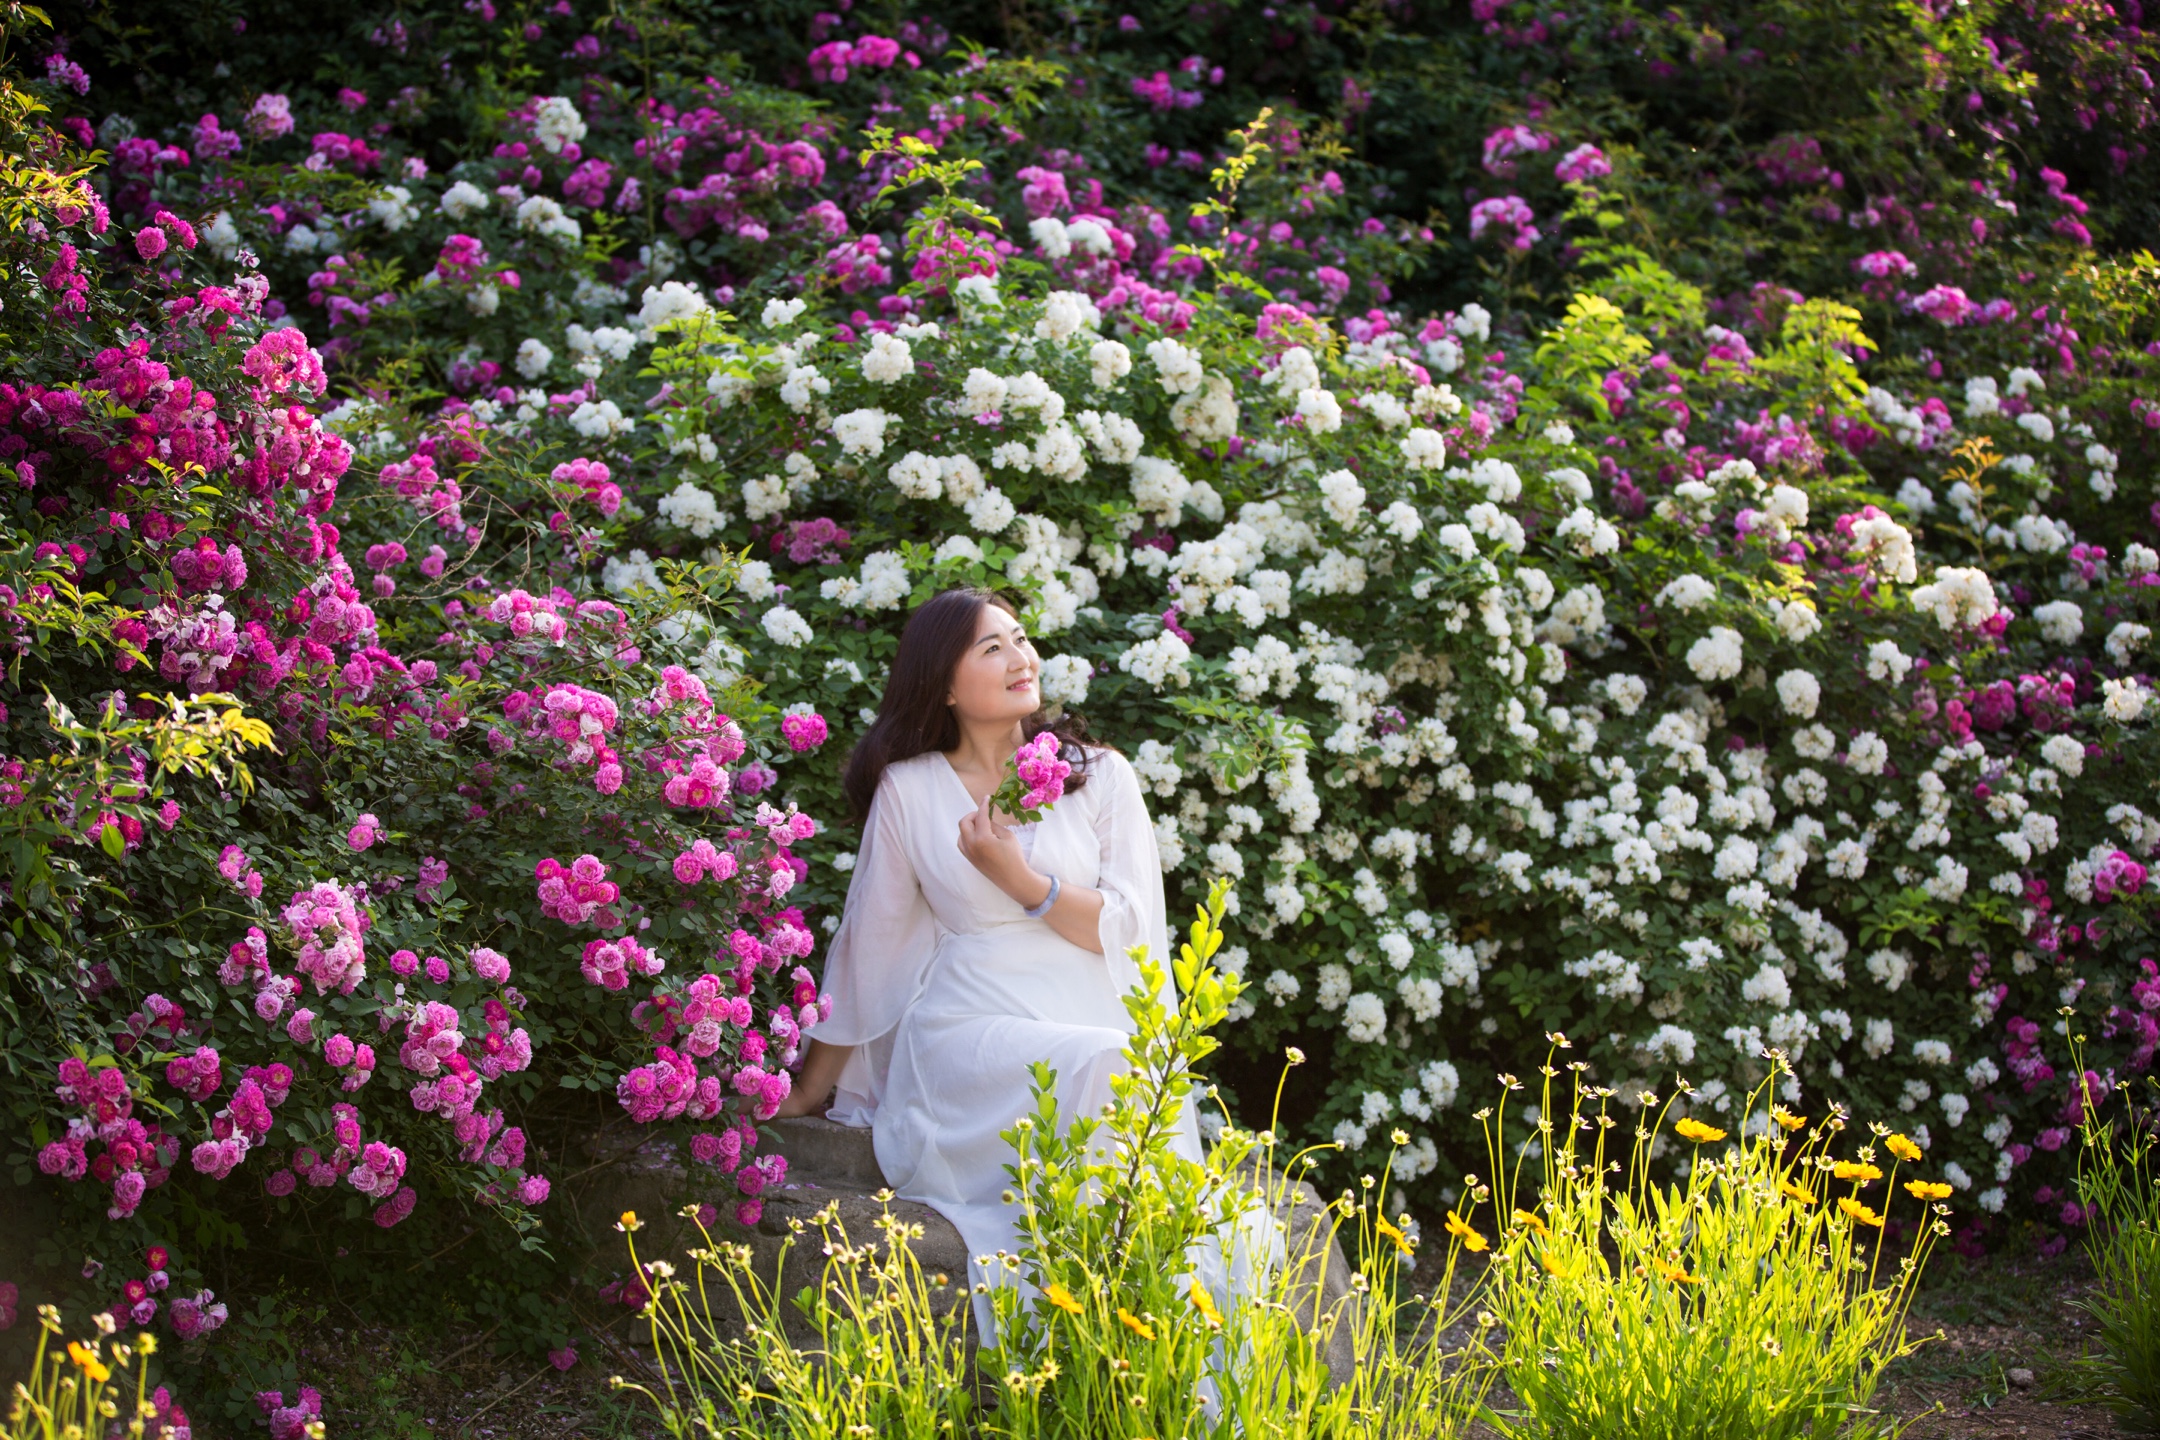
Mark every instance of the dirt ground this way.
pixel 2003 1369
pixel 2005 1365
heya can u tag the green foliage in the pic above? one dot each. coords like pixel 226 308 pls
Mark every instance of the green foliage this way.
pixel 1592 338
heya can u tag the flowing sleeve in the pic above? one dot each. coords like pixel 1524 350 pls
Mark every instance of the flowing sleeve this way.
pixel 887 933
pixel 1131 875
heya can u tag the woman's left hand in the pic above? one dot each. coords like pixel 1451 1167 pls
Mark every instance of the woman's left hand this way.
pixel 995 851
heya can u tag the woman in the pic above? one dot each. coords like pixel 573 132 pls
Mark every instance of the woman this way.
pixel 972 946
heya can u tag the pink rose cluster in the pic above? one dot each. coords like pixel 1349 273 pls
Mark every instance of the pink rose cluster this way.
pixel 334 148
pixel 781 867
pixel 202 566
pixel 213 141
pixel 2118 875
pixel 1886 265
pixel 1506 145
pixel 1505 215
pixel 699 1014
pixel 805 730
pixel 1946 305
pixel 610 963
pixel 453 1070
pixel 590 480
pixel 434 496
pixel 270 117
pixel 703 742
pixel 356 1058
pixel 506 1048
pixel 729 1151
pixel 1162 94
pixel 670 1088
pixel 326 924
pixel 135 1158
pixel 1038 767
pixel 197 1076
pixel 137 1307
pixel 818 540
pixel 529 616
pixel 830 63
pixel 577 719
pixel 283 362
pixel 382 559
pixel 245 1122
pixel 247 963
pixel 577 893
pixel 196 1315
pixel 785 939
pixel 290 1422
pixel 2140 1017
pixel 262 447
pixel 370 1167
pixel 699 783
pixel 1582 164
pixel 703 858
pixel 758 169
pixel 239 872
pixel 588 184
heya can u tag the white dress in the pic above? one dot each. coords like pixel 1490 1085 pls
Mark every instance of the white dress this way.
pixel 948 991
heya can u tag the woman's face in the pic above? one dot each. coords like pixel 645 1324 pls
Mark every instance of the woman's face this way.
pixel 994 683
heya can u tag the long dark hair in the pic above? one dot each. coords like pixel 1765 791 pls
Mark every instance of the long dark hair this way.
pixel 913 718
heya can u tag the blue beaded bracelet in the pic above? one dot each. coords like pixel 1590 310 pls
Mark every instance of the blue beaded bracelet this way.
pixel 1036 912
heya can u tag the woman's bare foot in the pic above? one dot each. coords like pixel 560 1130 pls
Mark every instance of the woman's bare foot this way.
pixel 800 1103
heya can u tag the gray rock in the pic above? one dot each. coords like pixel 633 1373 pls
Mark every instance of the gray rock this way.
pixel 835 1165
pixel 2021 1378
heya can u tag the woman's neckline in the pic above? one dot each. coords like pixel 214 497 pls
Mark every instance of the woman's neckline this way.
pixel 954 771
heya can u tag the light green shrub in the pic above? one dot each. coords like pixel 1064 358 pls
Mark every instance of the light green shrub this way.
pixel 81 1389
pixel 1752 1296
pixel 2120 1191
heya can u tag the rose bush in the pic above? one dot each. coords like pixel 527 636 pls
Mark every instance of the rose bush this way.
pixel 324 881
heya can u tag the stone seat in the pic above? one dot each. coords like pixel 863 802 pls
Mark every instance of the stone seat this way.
pixel 831 1164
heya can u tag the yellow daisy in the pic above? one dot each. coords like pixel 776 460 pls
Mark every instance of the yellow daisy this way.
pixel 1676 1274
pixel 87 1361
pixel 1464 1231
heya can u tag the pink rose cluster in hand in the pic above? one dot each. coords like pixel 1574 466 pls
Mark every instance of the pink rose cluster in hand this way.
pixel 1037 781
